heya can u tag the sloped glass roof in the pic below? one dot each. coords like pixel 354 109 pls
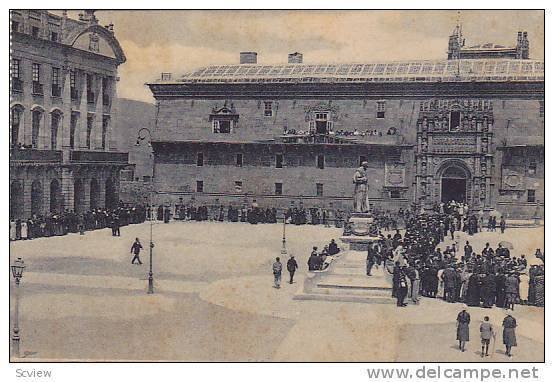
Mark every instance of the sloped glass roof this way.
pixel 417 71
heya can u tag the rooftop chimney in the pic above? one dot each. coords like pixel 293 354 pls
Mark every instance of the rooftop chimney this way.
pixel 295 58
pixel 248 57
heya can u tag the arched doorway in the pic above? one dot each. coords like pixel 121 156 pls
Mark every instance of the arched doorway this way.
pixel 454 181
pixel 36 198
pixel 16 200
pixel 94 194
pixel 55 196
pixel 78 196
pixel 112 198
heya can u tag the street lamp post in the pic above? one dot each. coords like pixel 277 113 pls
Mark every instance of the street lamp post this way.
pixel 284 247
pixel 141 138
pixel 17 272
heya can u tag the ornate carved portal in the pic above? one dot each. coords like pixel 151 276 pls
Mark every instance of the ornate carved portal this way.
pixel 454 152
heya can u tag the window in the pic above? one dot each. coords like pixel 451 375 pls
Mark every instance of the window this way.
pixel 90 122
pixel 56 88
pixel 37 115
pixel 279 161
pixel 54 36
pixel 37 86
pixel 199 186
pixel 363 159
pixel 34 32
pixel 532 167
pixel 395 194
pixel 531 196
pixel 146 178
pixel 200 159
pixel 454 121
pixel 238 186
pixel 90 86
pixel 73 85
pixel 15 122
pixel 105 91
pixel 15 26
pixel 380 109
pixel 54 124
pixel 15 69
pixel 55 76
pixel 238 160
pixel 105 125
pixel 72 127
pixel 222 126
pixel 319 189
pixel 36 72
pixel 278 188
pixel 541 108
pixel 268 109
pixel 321 161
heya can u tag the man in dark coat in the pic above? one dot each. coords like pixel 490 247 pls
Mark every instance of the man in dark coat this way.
pixel 314 262
pixel 509 334
pixel 449 280
pixel 473 290
pixel 292 266
pixel 500 290
pixel 402 288
pixel 395 278
pixel 370 260
pixel 489 290
pixel 135 250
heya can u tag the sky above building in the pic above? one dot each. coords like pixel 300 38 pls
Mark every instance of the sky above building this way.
pixel 179 41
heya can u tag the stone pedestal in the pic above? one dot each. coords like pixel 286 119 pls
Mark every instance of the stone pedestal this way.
pixel 359 231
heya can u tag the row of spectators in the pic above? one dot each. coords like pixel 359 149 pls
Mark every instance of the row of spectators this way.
pixel 68 221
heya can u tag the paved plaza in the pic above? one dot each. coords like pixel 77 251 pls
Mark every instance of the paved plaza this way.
pixel 214 301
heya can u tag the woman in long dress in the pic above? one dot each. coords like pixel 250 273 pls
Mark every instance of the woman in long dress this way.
pixel 509 334
pixel 462 329
pixel 523 287
pixel 24 230
pixel 12 230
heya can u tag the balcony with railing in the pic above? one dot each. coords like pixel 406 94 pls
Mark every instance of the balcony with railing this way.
pixel 56 90
pixel 38 89
pixel 34 155
pixel 98 157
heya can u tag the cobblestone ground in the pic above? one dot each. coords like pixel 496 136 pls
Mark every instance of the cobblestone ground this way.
pixel 83 300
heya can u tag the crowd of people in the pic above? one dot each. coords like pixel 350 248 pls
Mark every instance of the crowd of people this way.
pixel 252 213
pixel 346 133
pixel 68 221
pixel 319 261
pixel 490 277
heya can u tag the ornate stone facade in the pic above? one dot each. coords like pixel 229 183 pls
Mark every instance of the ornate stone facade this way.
pixel 63 153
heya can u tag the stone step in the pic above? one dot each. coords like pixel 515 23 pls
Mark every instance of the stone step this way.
pixel 355 282
pixel 331 290
pixel 346 298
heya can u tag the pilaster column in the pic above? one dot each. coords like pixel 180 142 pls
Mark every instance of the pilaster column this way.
pixel 81 128
pixel 67 189
pixel 66 121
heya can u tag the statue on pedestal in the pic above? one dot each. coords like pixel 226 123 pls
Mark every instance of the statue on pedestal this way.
pixel 361 201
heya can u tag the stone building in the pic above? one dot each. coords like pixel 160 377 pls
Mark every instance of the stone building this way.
pixel 469 128
pixel 63 154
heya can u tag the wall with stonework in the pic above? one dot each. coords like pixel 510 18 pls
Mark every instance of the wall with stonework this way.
pixel 176 172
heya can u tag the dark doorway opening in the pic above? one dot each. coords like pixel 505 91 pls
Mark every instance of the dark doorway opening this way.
pixel 321 127
pixel 453 189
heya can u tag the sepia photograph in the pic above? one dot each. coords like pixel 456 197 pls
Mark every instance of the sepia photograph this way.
pixel 276 186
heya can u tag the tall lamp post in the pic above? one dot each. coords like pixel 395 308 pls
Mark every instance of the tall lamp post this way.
pixel 17 272
pixel 284 247
pixel 142 135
